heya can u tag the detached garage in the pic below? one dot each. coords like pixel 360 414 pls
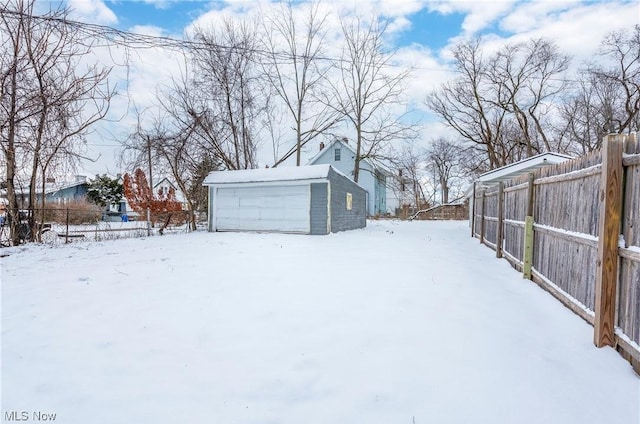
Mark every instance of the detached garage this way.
pixel 314 199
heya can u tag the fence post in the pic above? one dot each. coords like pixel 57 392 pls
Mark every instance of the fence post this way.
pixel 66 235
pixel 473 211
pixel 608 234
pixel 148 221
pixel 499 236
pixel 482 210
pixel 527 257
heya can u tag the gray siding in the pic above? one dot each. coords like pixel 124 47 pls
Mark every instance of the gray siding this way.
pixel 319 208
pixel 341 218
pixel 330 192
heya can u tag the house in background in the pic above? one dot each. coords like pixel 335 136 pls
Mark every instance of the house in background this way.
pixel 164 185
pixel 64 193
pixel 372 176
pixel 55 193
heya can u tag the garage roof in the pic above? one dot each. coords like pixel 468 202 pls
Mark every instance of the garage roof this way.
pixel 522 167
pixel 287 173
pixel 517 169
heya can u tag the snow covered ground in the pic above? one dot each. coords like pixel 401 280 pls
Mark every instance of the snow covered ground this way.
pixel 401 322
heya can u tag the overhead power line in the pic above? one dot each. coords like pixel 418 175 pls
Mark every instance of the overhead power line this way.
pixel 132 40
pixel 135 41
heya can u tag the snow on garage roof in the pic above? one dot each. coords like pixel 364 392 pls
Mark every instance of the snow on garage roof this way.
pixel 286 173
pixel 523 167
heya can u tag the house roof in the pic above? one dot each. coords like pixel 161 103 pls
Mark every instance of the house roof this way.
pixel 286 173
pixel 375 164
pixel 53 188
pixel 165 180
pixel 162 180
pixel 522 167
pixel 49 188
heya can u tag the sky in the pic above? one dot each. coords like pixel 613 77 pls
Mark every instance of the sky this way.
pixel 423 32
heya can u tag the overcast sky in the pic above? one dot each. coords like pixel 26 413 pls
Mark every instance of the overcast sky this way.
pixel 423 31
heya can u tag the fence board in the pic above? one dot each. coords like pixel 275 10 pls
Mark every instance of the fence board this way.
pixel 575 175
pixel 571 206
pixel 575 273
pixel 570 302
pixel 631 160
pixel 567 241
pixel 628 316
pixel 490 218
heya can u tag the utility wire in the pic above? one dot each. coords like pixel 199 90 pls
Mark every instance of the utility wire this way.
pixel 131 40
pixel 135 41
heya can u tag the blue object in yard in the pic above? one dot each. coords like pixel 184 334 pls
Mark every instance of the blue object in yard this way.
pixel 125 218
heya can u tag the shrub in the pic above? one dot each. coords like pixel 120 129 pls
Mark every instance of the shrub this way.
pixel 80 212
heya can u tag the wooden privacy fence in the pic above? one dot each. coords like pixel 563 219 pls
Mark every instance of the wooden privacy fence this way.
pixel 574 229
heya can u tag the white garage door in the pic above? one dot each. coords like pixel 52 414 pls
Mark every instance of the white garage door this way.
pixel 265 208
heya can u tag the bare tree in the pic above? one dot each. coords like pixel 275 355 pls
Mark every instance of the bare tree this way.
pixel 467 103
pixel 49 102
pixel 503 104
pixel 16 103
pixel 295 68
pixel 587 113
pixel 410 183
pixel 367 89
pixel 183 138
pixel 623 49
pixel 222 95
pixel 606 97
pixel 446 159
pixel 526 78
pixel 174 146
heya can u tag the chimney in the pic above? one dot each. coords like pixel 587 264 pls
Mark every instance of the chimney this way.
pixel 50 180
pixel 345 140
pixel 321 145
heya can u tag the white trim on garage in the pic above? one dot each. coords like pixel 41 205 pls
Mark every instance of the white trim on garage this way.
pixel 273 207
pixel 328 208
pixel 269 220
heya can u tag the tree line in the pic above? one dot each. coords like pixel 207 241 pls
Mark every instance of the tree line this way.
pixel 239 81
pixel 521 100
pixel 271 80
pixel 283 80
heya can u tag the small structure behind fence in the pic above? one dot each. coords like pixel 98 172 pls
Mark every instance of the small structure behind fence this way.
pixel 574 228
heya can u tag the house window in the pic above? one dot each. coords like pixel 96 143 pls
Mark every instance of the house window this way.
pixel 349 201
pixel 337 155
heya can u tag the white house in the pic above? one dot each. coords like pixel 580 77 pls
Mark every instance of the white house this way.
pixel 372 176
pixel 164 185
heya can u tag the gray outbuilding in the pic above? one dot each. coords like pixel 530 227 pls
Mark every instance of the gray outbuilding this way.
pixel 314 199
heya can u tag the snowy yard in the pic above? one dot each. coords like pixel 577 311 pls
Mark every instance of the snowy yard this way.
pixel 402 322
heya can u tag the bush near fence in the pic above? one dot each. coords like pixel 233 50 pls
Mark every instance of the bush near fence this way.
pixel 79 212
pixel 574 228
